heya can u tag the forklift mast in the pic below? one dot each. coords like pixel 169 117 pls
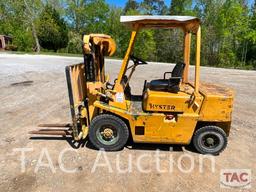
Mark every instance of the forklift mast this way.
pixel 81 77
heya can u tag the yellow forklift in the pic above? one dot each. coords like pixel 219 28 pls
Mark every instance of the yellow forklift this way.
pixel 170 110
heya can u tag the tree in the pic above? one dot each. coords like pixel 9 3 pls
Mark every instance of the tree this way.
pixel 145 45
pixel 130 5
pixel 178 7
pixel 87 15
pixel 209 12
pixel 31 12
pixel 228 28
pixel 18 20
pixel 170 42
pixel 224 27
pixel 252 25
pixel 251 37
pixel 153 7
pixel 96 18
pixel 117 31
pixel 76 14
pixel 53 33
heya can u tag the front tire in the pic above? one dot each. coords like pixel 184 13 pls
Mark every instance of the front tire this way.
pixel 108 132
pixel 210 140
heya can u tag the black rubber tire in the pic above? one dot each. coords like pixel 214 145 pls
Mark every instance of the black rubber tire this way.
pixel 107 119
pixel 216 132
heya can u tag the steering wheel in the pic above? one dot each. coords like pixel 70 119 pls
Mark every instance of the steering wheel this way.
pixel 137 61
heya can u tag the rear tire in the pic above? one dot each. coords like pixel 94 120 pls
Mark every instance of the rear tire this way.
pixel 210 140
pixel 108 132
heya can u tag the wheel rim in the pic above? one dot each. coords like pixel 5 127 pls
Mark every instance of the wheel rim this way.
pixel 211 141
pixel 107 135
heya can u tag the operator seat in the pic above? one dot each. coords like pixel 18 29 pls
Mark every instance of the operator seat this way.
pixel 171 84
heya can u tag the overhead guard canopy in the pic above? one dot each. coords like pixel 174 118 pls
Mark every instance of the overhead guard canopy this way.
pixel 188 23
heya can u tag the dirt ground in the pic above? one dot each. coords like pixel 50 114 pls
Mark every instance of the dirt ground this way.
pixel 33 90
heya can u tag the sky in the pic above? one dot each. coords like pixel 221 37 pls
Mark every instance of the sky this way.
pixel 121 3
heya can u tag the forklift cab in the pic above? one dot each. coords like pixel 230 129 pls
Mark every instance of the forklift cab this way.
pixel 173 91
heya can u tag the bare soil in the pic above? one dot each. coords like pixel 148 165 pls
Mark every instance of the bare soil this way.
pixel 33 90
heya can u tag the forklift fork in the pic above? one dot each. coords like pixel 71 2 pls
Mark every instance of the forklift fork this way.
pixel 54 129
pixel 77 94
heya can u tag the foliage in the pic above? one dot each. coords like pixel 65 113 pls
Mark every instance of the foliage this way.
pixel 131 5
pixel 178 7
pixel 153 7
pixel 87 16
pixel 117 31
pixel 251 37
pixel 228 28
pixel 11 14
pixel 224 27
pixel 145 44
pixel 75 43
pixel 52 30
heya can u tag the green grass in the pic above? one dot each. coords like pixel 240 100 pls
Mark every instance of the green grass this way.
pixel 54 53
pixel 45 53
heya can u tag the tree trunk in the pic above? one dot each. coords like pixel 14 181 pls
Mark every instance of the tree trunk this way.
pixel 35 37
pixel 34 33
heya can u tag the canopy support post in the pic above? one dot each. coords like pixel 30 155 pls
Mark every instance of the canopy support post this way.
pixel 197 67
pixel 127 55
pixel 187 44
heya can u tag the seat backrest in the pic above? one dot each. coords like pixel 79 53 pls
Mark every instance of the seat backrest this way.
pixel 178 69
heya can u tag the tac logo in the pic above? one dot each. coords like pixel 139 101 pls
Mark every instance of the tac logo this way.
pixel 235 178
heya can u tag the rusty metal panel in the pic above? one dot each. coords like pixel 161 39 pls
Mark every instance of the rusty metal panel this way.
pixel 78 82
pixel 218 102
